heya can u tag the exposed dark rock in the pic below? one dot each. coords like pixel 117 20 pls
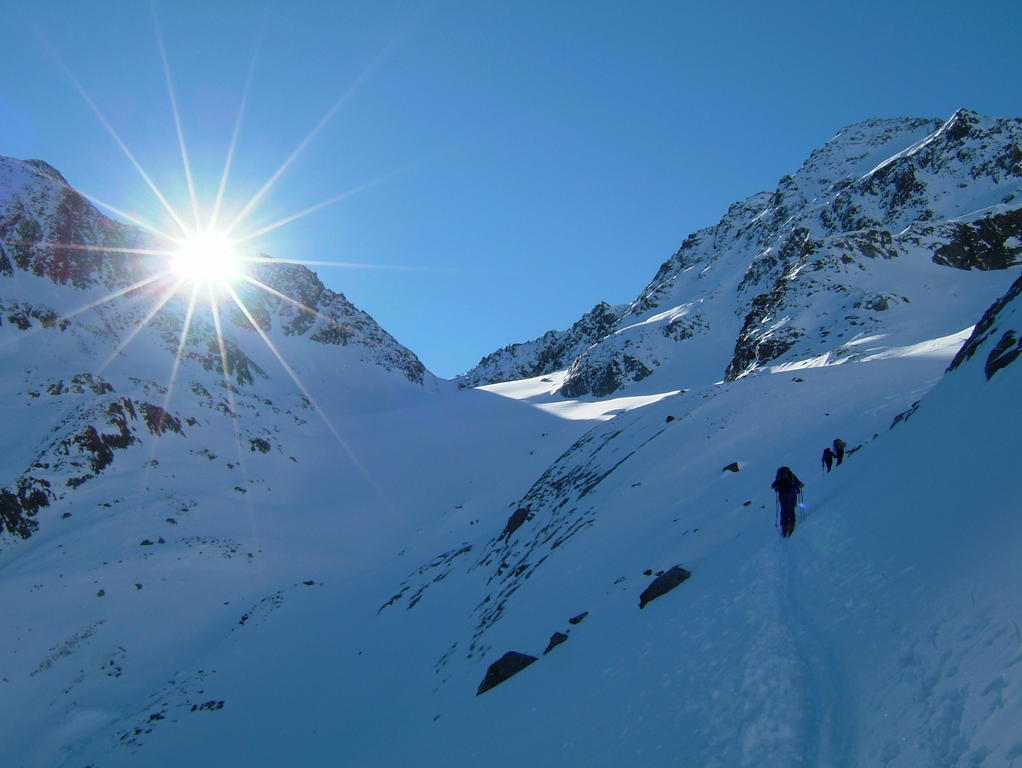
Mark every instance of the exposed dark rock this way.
pixel 663 584
pixel 158 420
pixel 758 341
pixel 207 706
pixel 20 504
pixel 985 326
pixel 258 444
pixel 578 619
pixel 870 243
pixel 603 378
pixel 732 467
pixel 669 419
pixel 239 366
pixel 91 442
pixel 507 666
pixel 517 520
pixel 1004 353
pixel 905 415
pixel 555 640
pixel 990 243
pixel 686 327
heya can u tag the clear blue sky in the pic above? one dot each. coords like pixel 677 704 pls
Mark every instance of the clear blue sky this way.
pixel 534 157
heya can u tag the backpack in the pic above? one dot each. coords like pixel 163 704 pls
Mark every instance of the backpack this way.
pixel 786 481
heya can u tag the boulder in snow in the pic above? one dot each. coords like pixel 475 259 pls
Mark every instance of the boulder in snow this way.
pixel 663 584
pixel 508 665
pixel 555 640
pixel 517 519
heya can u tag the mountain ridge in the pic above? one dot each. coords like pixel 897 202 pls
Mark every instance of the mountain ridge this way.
pixel 878 190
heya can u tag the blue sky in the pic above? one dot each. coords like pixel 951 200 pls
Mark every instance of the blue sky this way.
pixel 524 160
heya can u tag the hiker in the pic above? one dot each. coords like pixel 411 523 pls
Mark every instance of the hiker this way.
pixel 787 487
pixel 828 458
pixel 839 450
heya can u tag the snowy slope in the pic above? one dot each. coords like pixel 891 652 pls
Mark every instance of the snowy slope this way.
pixel 320 571
pixel 882 632
pixel 154 509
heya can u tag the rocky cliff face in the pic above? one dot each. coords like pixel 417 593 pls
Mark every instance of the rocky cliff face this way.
pixel 850 245
pixel 997 337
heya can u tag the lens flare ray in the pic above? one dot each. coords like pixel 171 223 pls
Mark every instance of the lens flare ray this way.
pixel 177 116
pixel 327 117
pixel 214 308
pixel 168 294
pixel 91 305
pixel 221 190
pixel 285 297
pixel 313 208
pixel 83 247
pixel 319 410
pixel 348 265
pixel 186 326
pixel 117 138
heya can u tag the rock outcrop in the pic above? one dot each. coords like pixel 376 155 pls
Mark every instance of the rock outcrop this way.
pixel 663 584
pixel 504 668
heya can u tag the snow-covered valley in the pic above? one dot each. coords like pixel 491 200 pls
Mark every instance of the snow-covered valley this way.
pixel 317 564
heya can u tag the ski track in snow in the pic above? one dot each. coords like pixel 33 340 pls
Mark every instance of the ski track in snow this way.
pixel 830 720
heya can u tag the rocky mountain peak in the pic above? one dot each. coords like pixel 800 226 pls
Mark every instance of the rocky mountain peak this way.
pixel 800 271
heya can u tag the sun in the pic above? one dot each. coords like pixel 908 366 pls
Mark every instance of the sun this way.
pixel 208 259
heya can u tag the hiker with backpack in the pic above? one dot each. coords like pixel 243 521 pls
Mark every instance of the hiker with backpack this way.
pixel 828 458
pixel 788 489
pixel 839 450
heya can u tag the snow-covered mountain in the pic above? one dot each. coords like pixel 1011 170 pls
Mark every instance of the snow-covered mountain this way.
pixel 91 347
pixel 553 351
pixel 336 559
pixel 812 267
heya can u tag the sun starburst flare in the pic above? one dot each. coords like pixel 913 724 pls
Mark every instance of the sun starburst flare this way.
pixel 209 258
pixel 200 261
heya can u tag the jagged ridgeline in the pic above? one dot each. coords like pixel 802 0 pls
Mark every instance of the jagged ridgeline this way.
pixel 75 289
pixel 807 267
